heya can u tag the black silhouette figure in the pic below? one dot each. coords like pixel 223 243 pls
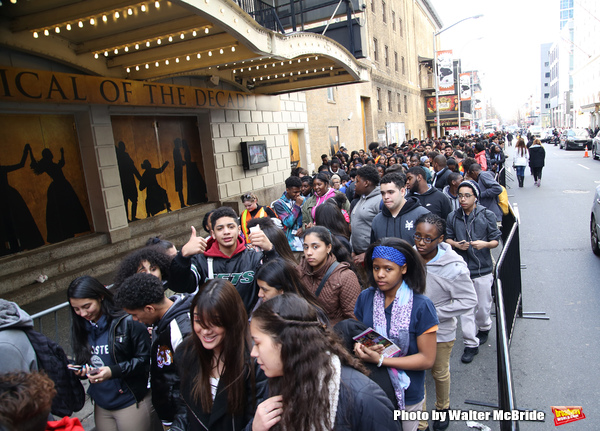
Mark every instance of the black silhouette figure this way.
pixel 196 187
pixel 128 173
pixel 178 171
pixel 156 197
pixel 18 230
pixel 65 215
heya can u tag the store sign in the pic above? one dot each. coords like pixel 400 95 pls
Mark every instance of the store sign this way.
pixel 445 71
pixel 25 85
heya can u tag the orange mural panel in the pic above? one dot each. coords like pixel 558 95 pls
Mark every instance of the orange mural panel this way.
pixel 42 183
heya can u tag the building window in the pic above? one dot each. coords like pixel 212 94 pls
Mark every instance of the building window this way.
pixel 403 66
pixel 373 6
pixel 330 94
pixel 383 17
pixel 545 84
pixel 389 100
pixel 379 99
pixel 405 104
pixel 546 95
pixel 399 99
pixel 400 27
pixel 547 74
pixel 393 20
pixel 396 61
pixel 375 50
pixel 546 64
pixel 387 58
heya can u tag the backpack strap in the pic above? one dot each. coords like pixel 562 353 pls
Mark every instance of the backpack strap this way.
pixel 333 266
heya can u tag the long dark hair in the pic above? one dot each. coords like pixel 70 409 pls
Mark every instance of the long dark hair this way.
pixel 330 216
pixel 306 349
pixel 275 235
pixel 86 287
pixel 218 303
pixel 415 270
pixel 337 248
pixel 282 275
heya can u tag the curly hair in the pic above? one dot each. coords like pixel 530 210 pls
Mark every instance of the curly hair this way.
pixel 139 290
pixel 369 173
pixel 415 269
pixel 306 349
pixel 132 262
pixel 433 219
pixel 25 400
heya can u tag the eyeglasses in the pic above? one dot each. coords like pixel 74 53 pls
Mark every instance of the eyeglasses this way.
pixel 467 196
pixel 419 238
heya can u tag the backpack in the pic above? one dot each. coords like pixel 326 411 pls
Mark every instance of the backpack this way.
pixel 503 201
pixel 70 395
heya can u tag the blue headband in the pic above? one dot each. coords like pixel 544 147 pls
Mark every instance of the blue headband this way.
pixel 389 253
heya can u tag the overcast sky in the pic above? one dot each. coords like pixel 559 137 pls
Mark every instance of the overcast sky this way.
pixel 508 52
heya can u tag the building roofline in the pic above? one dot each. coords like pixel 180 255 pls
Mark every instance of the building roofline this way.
pixel 436 18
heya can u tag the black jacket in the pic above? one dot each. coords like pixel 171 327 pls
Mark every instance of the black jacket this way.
pixel 187 273
pixel 362 405
pixel 193 418
pixel 441 179
pixel 435 201
pixel 537 156
pixel 167 334
pixel 130 348
pixel 402 226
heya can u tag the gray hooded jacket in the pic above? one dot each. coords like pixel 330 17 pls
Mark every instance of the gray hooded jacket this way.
pixel 15 349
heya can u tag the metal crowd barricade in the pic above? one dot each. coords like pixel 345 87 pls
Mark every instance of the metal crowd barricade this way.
pixel 58 329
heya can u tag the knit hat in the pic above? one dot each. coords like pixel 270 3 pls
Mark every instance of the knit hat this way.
pixel 472 185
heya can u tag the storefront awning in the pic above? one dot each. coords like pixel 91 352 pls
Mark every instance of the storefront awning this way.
pixel 157 40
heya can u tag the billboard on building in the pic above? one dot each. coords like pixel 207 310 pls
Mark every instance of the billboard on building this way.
pixel 478 101
pixel 465 86
pixel 447 104
pixel 445 70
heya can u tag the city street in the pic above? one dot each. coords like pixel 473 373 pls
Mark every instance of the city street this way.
pixel 553 361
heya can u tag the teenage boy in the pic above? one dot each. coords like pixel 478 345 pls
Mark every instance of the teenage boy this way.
pixel 224 255
pixel 398 215
pixel 306 187
pixel 364 210
pixel 473 232
pixel 289 210
pixel 142 296
pixel 451 190
pixel 430 197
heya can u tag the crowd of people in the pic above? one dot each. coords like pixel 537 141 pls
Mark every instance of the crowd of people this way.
pixel 252 325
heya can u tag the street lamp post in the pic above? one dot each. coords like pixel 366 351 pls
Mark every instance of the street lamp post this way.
pixel 435 70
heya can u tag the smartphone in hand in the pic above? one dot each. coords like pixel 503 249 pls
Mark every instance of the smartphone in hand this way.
pixel 74 367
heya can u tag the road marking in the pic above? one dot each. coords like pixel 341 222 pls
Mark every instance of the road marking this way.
pixel 584 167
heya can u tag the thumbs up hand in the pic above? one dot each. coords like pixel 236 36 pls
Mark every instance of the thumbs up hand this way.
pixel 195 245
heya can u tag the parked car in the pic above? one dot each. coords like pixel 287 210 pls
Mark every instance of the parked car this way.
pixel 575 139
pixel 596 146
pixel 546 135
pixel 594 220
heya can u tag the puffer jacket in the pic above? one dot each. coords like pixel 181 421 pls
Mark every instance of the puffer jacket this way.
pixel 340 291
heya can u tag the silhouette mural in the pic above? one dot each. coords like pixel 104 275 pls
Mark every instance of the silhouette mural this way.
pixel 52 205
pixel 178 171
pixel 18 230
pixel 65 215
pixel 196 187
pixel 156 197
pixel 128 173
pixel 168 142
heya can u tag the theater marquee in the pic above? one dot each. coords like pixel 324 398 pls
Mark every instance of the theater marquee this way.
pixel 25 85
